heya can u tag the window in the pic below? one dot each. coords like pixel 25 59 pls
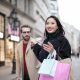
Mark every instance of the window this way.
pixel 20 5
pixel 2 24
pixel 2 56
pixel 25 6
pixel 13 2
pixel 30 8
pixel 9 50
pixel 9 1
pixel 2 21
pixel 52 6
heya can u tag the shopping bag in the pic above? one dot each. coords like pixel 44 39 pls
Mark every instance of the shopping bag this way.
pixel 68 60
pixel 62 72
pixel 48 67
pixel 45 77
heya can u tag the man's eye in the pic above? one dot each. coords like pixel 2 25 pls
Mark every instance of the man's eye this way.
pixel 24 32
pixel 28 31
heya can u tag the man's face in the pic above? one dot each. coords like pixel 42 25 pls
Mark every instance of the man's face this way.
pixel 26 33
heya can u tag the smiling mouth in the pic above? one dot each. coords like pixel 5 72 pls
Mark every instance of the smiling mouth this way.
pixel 49 29
pixel 26 36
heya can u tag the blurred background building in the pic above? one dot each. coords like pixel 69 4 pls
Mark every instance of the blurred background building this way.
pixel 54 8
pixel 73 35
pixel 34 14
pixel 30 12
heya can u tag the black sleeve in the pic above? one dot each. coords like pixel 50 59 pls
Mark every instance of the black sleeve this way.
pixel 43 55
pixel 39 52
pixel 64 49
pixel 55 43
pixel 36 49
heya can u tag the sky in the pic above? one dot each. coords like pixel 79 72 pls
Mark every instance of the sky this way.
pixel 69 12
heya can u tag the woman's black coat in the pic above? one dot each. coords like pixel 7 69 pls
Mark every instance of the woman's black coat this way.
pixel 60 44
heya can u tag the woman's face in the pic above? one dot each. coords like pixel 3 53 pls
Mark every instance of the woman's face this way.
pixel 51 25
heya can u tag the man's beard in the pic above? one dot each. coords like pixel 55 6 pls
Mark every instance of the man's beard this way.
pixel 26 39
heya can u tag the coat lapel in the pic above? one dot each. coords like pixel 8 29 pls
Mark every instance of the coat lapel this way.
pixel 21 48
pixel 28 46
pixel 21 58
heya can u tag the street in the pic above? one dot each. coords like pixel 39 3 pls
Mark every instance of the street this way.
pixel 76 66
pixel 5 72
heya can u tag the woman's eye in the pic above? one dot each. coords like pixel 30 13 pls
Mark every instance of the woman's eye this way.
pixel 52 23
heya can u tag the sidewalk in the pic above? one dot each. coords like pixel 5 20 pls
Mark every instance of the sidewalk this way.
pixel 5 73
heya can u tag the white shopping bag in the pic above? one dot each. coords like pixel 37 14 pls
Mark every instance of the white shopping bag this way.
pixel 48 67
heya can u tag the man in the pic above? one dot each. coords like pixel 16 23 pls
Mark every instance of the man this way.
pixel 25 58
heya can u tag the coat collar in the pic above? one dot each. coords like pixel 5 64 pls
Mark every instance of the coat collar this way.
pixel 28 45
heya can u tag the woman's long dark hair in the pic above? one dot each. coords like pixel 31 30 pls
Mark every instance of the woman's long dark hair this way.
pixel 60 27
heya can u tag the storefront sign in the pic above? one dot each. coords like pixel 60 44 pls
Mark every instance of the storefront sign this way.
pixel 14 38
pixel 13 34
pixel 1 35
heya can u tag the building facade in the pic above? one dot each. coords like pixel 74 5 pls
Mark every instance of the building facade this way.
pixel 54 8
pixel 73 35
pixel 40 13
pixel 30 12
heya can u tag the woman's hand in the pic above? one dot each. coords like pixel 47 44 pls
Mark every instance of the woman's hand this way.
pixel 32 44
pixel 48 47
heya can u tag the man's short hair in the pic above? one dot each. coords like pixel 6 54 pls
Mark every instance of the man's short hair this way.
pixel 26 26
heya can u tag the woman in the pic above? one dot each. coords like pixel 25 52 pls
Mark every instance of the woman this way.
pixel 54 40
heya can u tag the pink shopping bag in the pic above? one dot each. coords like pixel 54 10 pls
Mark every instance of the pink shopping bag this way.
pixel 62 73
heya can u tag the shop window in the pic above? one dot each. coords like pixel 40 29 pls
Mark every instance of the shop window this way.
pixel 2 56
pixel 9 50
pixel 2 51
pixel 2 22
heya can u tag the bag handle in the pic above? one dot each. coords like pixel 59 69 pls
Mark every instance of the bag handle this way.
pixel 52 55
